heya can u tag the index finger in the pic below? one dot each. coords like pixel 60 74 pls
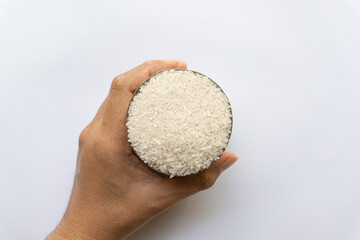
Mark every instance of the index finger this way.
pixel 133 78
pixel 124 85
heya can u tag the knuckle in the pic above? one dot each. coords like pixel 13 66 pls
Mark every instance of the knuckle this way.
pixel 148 63
pixel 118 83
pixel 206 181
pixel 83 136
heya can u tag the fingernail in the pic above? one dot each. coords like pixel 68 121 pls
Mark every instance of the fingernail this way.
pixel 233 155
pixel 230 161
pixel 172 60
pixel 182 64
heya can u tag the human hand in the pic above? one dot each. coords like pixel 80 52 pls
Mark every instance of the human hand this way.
pixel 114 193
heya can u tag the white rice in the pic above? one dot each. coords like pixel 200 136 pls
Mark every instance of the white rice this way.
pixel 179 122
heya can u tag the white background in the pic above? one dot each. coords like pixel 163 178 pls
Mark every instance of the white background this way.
pixel 291 70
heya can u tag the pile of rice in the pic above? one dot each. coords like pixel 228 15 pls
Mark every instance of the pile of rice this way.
pixel 179 122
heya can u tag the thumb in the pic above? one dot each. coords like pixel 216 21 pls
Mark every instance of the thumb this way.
pixel 209 176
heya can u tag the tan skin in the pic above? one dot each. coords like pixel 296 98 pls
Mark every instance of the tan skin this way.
pixel 114 193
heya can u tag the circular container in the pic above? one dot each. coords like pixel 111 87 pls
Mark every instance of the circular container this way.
pixel 149 79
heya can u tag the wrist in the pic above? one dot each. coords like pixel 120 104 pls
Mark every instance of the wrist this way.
pixel 104 221
pixel 66 230
pixel 112 218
